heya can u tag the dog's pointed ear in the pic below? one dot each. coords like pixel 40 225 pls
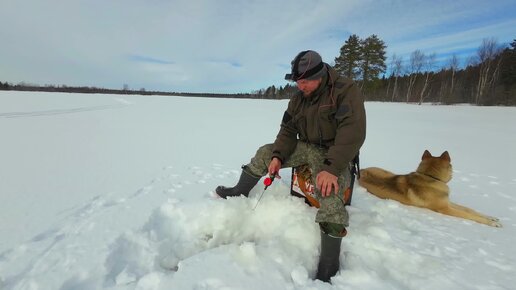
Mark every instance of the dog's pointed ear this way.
pixel 426 155
pixel 446 156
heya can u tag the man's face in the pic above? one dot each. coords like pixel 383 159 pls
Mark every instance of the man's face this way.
pixel 308 86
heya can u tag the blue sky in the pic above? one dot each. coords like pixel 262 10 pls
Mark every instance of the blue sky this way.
pixel 226 45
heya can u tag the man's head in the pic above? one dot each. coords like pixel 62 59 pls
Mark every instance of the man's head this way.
pixel 307 71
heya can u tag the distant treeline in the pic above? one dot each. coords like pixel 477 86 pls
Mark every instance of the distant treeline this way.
pixel 488 77
pixel 125 91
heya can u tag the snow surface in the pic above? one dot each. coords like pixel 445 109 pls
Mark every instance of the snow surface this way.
pixel 116 192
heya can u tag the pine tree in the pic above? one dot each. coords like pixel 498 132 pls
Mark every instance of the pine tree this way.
pixel 348 62
pixel 373 58
pixel 508 71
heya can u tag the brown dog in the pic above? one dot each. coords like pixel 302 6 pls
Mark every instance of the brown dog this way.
pixel 427 188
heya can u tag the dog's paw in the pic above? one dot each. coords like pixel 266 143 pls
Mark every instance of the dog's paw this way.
pixel 493 219
pixel 496 224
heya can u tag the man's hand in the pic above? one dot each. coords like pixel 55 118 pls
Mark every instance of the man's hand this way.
pixel 274 167
pixel 325 181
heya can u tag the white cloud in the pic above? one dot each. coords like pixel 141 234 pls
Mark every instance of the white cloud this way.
pixel 217 45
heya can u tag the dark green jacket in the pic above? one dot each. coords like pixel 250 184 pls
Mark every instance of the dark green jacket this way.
pixel 332 117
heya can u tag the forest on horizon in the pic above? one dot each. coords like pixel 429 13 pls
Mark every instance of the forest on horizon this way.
pixel 486 78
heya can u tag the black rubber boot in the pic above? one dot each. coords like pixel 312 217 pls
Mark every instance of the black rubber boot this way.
pixel 244 185
pixel 329 263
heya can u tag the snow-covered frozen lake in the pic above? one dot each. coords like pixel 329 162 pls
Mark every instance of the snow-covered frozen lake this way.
pixel 115 192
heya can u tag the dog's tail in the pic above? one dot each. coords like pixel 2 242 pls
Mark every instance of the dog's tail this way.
pixel 374 177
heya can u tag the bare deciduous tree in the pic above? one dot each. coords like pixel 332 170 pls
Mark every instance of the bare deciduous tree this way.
pixel 417 59
pixel 396 68
pixel 453 65
pixel 429 65
pixel 486 54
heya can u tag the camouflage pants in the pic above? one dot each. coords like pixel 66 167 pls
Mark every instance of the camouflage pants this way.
pixel 332 208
